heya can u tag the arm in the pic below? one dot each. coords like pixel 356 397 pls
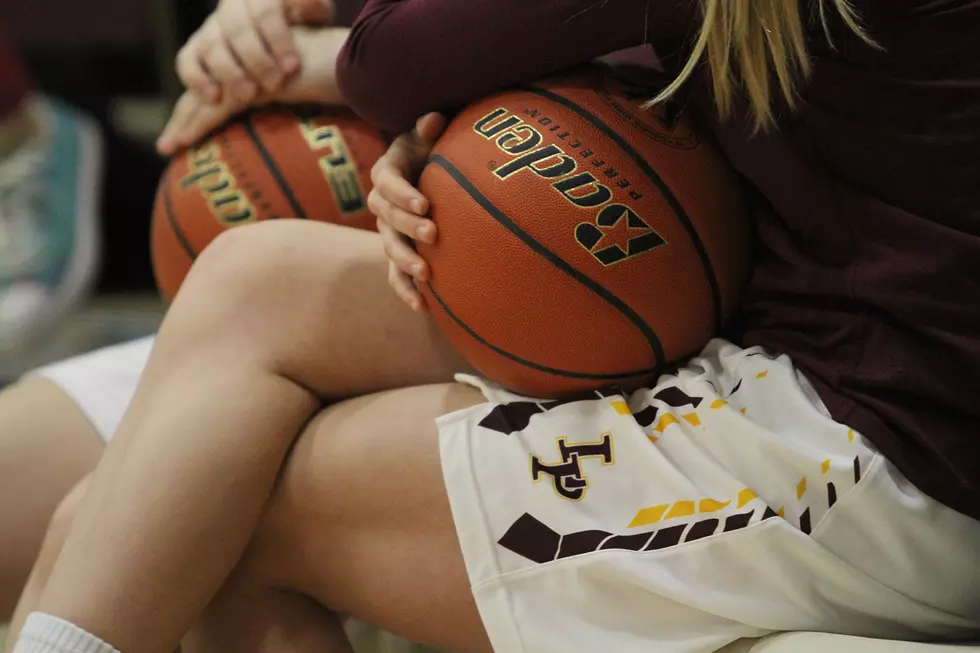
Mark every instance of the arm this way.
pixel 407 57
pixel 315 82
pixel 318 49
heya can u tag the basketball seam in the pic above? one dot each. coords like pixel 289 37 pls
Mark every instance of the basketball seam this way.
pixel 657 181
pixel 168 210
pixel 536 366
pixel 273 168
pixel 603 293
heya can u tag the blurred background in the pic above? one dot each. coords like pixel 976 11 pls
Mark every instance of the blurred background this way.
pixel 112 59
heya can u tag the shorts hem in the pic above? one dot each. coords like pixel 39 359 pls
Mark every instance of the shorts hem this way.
pixel 472 530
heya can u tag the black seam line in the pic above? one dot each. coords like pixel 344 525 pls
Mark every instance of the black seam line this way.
pixel 168 210
pixel 554 259
pixel 274 170
pixel 541 368
pixel 652 175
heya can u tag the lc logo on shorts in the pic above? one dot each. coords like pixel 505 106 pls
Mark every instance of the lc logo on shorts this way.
pixel 570 482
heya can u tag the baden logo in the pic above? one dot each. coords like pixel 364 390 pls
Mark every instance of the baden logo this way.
pixel 217 185
pixel 336 164
pixel 616 232
pixel 569 480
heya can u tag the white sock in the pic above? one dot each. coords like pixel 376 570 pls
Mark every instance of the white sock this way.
pixel 43 633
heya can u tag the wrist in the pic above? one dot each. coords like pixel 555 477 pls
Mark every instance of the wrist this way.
pixel 318 49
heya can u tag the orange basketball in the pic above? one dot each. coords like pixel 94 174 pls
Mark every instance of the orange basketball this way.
pixel 264 165
pixel 584 241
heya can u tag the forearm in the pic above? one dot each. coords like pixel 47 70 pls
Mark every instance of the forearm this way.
pixel 407 57
pixel 316 82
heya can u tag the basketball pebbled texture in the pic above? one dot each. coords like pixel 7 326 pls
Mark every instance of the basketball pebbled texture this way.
pixel 584 241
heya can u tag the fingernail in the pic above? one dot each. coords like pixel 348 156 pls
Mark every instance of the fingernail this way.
pixel 164 144
pixel 417 270
pixel 416 206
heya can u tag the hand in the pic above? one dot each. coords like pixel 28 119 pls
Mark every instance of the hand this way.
pixel 245 47
pixel 401 208
pixel 193 117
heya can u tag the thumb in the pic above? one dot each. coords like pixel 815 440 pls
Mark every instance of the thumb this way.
pixel 430 127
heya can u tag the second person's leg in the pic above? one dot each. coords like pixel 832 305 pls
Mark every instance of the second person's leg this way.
pixel 273 319
pixel 46 446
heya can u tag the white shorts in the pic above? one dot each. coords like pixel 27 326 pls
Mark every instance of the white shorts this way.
pixel 101 382
pixel 723 503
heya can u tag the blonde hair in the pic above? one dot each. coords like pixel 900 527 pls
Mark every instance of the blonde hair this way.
pixel 765 42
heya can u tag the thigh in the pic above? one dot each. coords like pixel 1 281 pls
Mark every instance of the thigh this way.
pixel 361 522
pixel 47 445
pixel 312 302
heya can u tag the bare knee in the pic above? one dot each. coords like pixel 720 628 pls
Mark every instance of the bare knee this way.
pixel 265 284
pixel 278 261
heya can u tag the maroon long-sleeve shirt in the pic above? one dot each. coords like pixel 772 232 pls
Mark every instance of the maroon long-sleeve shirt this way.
pixel 868 270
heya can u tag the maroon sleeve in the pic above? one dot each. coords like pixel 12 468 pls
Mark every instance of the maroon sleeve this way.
pixel 407 57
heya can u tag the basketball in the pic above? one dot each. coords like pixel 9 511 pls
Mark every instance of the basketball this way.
pixel 275 163
pixel 584 240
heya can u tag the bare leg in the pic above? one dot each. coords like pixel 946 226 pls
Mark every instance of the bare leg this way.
pixel 359 523
pixel 46 446
pixel 272 318
pixel 247 617
pixel 54 540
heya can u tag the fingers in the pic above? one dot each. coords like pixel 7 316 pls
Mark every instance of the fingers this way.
pixel 191 120
pixel 390 178
pixel 193 75
pixel 395 200
pixel 206 63
pixel 243 48
pixel 429 128
pixel 270 22
pixel 405 288
pixel 169 141
pixel 226 71
pixel 395 225
pixel 401 208
pixel 404 264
